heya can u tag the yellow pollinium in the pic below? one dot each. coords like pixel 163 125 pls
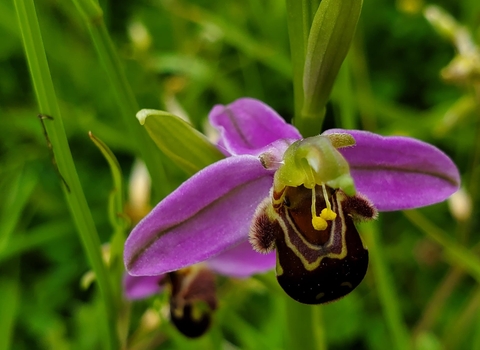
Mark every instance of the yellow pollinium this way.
pixel 319 222
pixel 328 214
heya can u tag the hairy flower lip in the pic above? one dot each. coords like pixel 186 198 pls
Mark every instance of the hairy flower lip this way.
pixel 213 229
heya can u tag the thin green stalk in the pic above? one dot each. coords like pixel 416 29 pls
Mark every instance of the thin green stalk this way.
pixel 332 31
pixel 319 328
pixel 456 253
pixel 303 330
pixel 77 203
pixel 120 223
pixel 386 288
pixel 299 22
pixel 127 103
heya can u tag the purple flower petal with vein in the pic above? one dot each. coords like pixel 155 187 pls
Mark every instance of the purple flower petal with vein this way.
pixel 247 125
pixel 398 172
pixel 209 216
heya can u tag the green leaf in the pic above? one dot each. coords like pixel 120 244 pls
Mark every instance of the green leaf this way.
pixel 187 147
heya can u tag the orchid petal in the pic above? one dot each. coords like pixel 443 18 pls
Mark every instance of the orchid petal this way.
pixel 399 172
pixel 139 287
pixel 207 214
pixel 242 261
pixel 248 125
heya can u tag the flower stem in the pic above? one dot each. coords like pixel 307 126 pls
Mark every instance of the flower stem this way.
pixel 300 14
pixel 386 289
pixel 331 33
pixel 128 106
pixel 77 203
pixel 305 330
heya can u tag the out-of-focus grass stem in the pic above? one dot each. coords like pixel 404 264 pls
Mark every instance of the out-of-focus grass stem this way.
pixel 459 328
pixel 460 255
pixel 127 103
pixel 385 288
pixel 363 88
pixel 438 301
pixel 304 326
pixel 75 197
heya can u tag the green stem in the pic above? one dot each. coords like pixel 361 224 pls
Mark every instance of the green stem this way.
pixel 332 31
pixel 77 203
pixel 458 254
pixel 319 328
pixel 300 14
pixel 386 288
pixel 303 328
pixel 298 31
pixel 127 103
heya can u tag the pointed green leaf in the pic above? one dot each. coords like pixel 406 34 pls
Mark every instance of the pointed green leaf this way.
pixel 187 147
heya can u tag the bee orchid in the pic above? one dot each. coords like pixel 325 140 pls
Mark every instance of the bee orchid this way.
pixel 296 200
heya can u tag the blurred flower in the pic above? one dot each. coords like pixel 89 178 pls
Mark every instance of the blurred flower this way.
pixel 460 205
pixel 465 66
pixel 309 212
pixel 192 296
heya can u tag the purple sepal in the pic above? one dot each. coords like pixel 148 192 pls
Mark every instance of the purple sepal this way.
pixel 242 261
pixel 397 172
pixel 247 125
pixel 139 287
pixel 207 214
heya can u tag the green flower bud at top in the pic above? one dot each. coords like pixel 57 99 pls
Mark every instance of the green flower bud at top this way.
pixel 315 161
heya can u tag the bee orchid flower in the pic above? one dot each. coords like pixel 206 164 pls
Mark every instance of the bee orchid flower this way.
pixel 300 197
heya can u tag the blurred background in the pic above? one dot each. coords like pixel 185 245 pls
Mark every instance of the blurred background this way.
pixel 402 76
